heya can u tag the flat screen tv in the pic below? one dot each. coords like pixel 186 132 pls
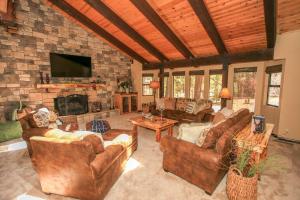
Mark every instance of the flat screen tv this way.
pixel 63 65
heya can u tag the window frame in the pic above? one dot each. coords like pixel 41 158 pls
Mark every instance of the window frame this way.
pixel 273 86
pixel 144 84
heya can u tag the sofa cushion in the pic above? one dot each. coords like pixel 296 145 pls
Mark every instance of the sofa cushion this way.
pixel 181 104
pixel 170 103
pixel 214 134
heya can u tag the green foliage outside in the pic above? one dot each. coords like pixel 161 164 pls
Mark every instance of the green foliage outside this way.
pixel 10 130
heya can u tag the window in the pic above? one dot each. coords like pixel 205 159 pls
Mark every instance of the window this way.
pixel 215 87
pixel 147 78
pixel 196 84
pixel 274 82
pixel 244 81
pixel 178 84
pixel 166 84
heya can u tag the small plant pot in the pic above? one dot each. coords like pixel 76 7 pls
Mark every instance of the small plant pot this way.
pixel 239 187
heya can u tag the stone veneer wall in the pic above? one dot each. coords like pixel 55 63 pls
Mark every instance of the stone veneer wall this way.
pixel 43 30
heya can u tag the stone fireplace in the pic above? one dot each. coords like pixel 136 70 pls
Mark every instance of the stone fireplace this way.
pixel 74 104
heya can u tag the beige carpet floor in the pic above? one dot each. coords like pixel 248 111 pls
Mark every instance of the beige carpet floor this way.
pixel 144 177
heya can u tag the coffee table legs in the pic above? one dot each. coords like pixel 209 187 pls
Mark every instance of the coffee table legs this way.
pixel 170 131
pixel 157 135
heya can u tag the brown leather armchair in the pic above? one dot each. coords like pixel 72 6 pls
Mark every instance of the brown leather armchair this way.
pixel 204 167
pixel 75 170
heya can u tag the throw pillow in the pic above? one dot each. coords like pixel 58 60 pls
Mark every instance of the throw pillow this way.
pixel 191 133
pixel 218 118
pixel 100 126
pixel 190 107
pixel 202 136
pixel 40 118
pixel 169 104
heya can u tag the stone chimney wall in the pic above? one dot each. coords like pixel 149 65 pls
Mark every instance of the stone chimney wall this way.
pixel 42 30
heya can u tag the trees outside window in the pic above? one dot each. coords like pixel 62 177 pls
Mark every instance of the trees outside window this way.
pixel 179 86
pixel 147 91
pixel 166 86
pixel 196 86
pixel 274 89
pixel 215 87
pixel 244 82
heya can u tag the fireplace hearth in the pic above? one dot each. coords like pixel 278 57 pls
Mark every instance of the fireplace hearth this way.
pixel 74 104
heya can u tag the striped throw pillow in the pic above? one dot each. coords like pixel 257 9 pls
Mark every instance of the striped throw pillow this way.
pixel 190 107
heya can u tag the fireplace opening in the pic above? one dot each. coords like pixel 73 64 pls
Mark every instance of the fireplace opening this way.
pixel 74 104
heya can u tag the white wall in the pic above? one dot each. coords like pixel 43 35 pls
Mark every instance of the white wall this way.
pixel 288 47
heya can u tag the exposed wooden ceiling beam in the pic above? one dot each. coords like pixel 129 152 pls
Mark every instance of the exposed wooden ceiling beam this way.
pixel 122 25
pixel 67 8
pixel 270 21
pixel 155 19
pixel 204 17
pixel 266 54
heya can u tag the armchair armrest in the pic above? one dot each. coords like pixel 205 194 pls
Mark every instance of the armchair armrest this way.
pixel 208 158
pixel 104 160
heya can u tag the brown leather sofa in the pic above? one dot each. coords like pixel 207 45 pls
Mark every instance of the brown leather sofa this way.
pixel 204 166
pixel 183 117
pixel 76 170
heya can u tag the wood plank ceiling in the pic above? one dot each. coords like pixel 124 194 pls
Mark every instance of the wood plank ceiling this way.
pixel 288 15
pixel 188 32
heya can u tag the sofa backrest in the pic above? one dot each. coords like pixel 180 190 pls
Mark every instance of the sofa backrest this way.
pixel 234 124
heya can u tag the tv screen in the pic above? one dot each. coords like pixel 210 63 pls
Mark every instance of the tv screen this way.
pixel 63 65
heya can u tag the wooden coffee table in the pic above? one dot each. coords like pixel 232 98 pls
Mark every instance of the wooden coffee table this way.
pixel 155 124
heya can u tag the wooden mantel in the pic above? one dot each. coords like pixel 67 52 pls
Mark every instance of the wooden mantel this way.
pixel 70 85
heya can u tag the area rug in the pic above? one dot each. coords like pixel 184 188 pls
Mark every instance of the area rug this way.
pixel 144 177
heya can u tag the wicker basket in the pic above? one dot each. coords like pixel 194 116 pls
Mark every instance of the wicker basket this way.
pixel 239 187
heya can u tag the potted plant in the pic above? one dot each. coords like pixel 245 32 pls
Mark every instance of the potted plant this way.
pixel 243 176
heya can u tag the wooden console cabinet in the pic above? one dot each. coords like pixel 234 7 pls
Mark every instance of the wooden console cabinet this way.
pixel 126 102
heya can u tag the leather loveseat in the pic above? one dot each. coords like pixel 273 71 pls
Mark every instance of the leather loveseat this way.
pixel 204 166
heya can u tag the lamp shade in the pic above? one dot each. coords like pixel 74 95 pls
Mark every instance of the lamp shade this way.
pixel 225 93
pixel 154 84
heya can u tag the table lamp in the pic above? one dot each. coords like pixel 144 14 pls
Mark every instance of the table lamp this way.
pixel 224 95
pixel 154 85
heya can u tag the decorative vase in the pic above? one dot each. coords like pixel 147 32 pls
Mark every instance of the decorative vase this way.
pixel 240 187
pixel 127 90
